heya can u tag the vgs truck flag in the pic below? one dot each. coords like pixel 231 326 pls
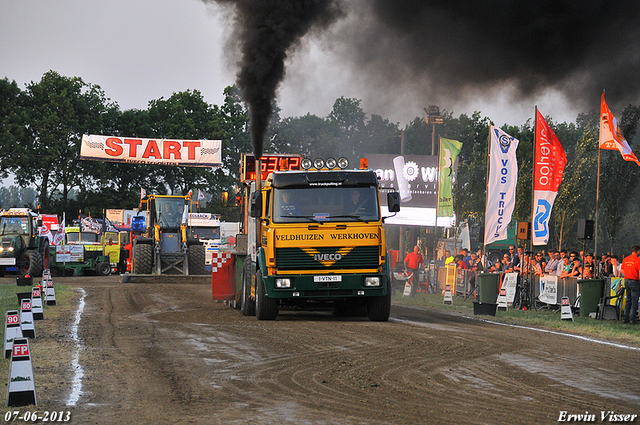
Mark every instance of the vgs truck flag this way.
pixel 193 153
pixel 501 188
pixel 548 166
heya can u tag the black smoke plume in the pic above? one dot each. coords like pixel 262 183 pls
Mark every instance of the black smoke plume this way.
pixel 266 31
pixel 451 48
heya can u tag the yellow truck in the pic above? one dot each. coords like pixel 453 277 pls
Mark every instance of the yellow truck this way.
pixel 316 236
pixel 80 252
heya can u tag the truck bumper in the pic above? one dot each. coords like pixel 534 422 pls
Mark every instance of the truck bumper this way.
pixel 326 286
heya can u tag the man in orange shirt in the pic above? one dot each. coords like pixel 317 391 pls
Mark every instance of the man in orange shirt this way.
pixel 412 262
pixel 631 269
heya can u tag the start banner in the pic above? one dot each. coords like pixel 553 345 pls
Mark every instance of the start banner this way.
pixel 190 153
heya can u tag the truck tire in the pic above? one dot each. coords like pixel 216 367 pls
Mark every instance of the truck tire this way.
pixel 142 259
pixel 380 308
pixel 196 260
pixel 266 308
pixel 247 305
pixel 34 264
pixel 103 269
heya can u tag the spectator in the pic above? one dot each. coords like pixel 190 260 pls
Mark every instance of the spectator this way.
pixel 506 263
pixel 576 268
pixel 448 258
pixel 615 267
pixel 514 258
pixel 459 260
pixel 565 269
pixel 631 269
pixel 588 268
pixel 537 265
pixel 412 263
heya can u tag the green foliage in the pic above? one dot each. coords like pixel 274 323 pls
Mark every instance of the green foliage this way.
pixel 41 129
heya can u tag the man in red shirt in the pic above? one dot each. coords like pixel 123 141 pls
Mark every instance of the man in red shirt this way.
pixel 412 262
pixel 631 269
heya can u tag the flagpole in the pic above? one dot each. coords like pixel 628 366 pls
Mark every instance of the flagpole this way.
pixel 595 247
pixel 435 229
pixel 533 176
pixel 486 197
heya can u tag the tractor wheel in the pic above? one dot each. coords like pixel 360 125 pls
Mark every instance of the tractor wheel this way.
pixel 247 305
pixel 266 308
pixel 103 269
pixel 142 259
pixel 196 260
pixel 33 266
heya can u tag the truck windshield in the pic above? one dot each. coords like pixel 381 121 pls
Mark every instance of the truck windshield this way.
pixel 14 226
pixel 169 212
pixel 325 204
pixel 205 232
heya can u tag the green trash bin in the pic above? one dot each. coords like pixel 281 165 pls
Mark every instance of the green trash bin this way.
pixel 488 287
pixel 590 294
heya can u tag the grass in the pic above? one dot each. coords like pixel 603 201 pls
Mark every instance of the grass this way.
pixel 609 330
pixel 45 347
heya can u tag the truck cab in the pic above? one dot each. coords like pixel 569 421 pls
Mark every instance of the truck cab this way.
pixel 319 239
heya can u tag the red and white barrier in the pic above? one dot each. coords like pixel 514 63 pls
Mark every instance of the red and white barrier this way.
pixel 21 390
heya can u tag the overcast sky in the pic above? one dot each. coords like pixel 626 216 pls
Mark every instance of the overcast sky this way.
pixel 139 50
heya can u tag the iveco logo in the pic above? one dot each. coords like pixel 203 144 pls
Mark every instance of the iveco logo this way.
pixel 327 257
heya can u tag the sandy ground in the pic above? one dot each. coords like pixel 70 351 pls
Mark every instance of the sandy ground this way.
pixel 169 354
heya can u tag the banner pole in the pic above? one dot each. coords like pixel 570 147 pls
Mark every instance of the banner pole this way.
pixel 533 175
pixel 595 247
pixel 486 197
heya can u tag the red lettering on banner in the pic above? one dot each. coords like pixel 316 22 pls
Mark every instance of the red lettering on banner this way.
pixel 133 146
pixel 20 350
pixel 113 143
pixel 191 149
pixel 152 150
pixel 171 148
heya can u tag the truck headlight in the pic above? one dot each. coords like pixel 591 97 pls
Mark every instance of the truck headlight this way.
pixel 283 282
pixel 372 281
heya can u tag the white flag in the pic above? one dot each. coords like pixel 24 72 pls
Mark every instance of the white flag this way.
pixel 501 188
pixel 59 236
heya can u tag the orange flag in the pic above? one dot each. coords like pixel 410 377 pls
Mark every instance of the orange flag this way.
pixel 610 135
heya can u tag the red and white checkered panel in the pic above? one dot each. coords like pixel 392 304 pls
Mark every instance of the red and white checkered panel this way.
pixel 218 259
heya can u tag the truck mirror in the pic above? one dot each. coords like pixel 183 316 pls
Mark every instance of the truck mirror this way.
pixel 393 202
pixel 256 204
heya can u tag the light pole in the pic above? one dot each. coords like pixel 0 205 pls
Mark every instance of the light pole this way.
pixel 434 117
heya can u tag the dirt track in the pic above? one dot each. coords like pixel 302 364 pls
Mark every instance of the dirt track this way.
pixel 168 354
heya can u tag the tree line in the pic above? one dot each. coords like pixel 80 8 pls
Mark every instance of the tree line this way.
pixel 41 127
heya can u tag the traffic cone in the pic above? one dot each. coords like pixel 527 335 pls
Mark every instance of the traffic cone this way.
pixel 502 300
pixel 565 311
pixel 26 319
pixel 448 298
pixel 21 390
pixel 36 303
pixel 12 331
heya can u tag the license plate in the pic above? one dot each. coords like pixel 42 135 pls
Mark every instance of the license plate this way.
pixel 7 261
pixel 333 278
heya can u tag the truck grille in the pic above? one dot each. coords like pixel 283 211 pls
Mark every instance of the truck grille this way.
pixel 360 257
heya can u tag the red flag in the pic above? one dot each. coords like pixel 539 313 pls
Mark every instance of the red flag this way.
pixel 610 135
pixel 548 169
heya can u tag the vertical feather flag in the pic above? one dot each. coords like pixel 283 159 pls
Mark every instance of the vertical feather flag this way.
pixel 548 168
pixel 501 186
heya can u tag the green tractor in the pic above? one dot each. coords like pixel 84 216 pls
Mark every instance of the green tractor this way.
pixel 163 247
pixel 22 247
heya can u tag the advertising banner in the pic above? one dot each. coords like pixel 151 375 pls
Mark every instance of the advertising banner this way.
pixel 548 167
pixel 548 289
pixel 191 153
pixel 449 150
pixel 501 187
pixel 415 177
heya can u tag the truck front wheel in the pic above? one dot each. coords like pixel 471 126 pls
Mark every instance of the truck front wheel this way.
pixel 266 308
pixel 380 308
pixel 247 305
